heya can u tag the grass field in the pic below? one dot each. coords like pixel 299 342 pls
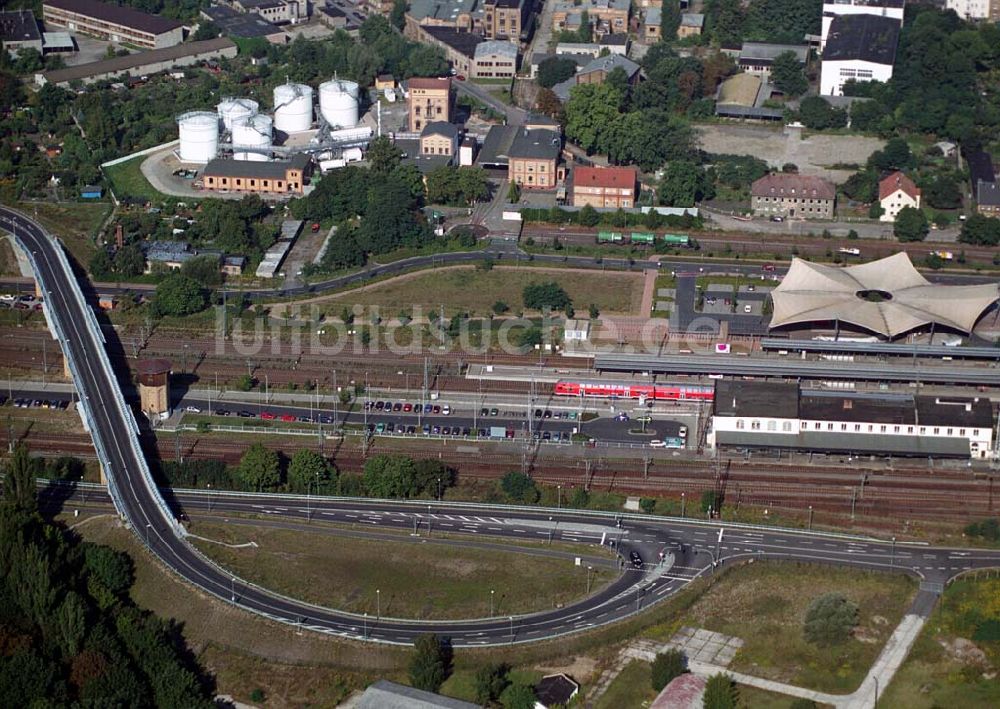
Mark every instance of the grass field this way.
pixel 8 261
pixel 473 291
pixel 127 179
pixel 631 688
pixel 75 223
pixel 416 580
pixel 765 605
pixel 955 654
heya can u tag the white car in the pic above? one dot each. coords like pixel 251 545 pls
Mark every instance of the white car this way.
pixel 683 432
pixel 446 410
pixel 7 298
pixel 657 444
pixel 192 409
pixel 747 309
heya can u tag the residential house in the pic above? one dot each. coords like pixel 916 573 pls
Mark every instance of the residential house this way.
pixel 429 100
pixel 859 47
pixel 439 138
pixel 988 198
pixel 533 159
pixel 692 23
pixel 555 691
pixel 895 192
pixel 790 195
pixel 605 187
pixel 652 24
pixel 596 71
pixel 233 265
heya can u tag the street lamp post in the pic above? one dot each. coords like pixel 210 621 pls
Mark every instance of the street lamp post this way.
pixel 209 485
pixel 491 602
pixel 364 633
pixel 147 533
pixel 439 489
pixel 892 558
pixel 810 516
pixel 589 569
pixel 233 590
pixel 683 500
pixel 512 630
pixel 378 604
pixel 559 496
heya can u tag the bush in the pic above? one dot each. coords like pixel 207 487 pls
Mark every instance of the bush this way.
pixel 988 529
pixel 539 296
pixel 430 664
pixel 720 693
pixel 666 666
pixel 519 487
pixel 647 505
pixel 830 619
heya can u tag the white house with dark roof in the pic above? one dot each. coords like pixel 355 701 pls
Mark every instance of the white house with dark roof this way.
pixel 860 48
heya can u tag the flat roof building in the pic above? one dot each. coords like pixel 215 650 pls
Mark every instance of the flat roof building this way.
pixel 19 30
pixel 142 63
pixel 114 23
pixel 244 25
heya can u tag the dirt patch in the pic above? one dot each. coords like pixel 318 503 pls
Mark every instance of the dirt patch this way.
pixel 580 668
pixel 966 652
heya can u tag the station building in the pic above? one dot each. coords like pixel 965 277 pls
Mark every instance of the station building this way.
pixel 780 416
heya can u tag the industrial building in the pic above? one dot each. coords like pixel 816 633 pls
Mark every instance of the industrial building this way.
pixel 756 415
pixel 140 64
pixel 275 11
pixel 859 48
pixel 758 57
pixel 608 16
pixel 113 23
pixel 277 177
pixel 243 25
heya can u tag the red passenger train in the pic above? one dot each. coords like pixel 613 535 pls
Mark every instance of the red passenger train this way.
pixel 627 390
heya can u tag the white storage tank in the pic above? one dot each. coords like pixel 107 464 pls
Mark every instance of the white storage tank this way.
pixel 338 103
pixel 252 132
pixel 232 109
pixel 199 134
pixel 293 108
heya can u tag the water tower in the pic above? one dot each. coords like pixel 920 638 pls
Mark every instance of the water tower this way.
pixel 154 386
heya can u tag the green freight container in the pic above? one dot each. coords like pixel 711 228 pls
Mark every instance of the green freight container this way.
pixel 676 240
pixel 643 237
pixel 609 237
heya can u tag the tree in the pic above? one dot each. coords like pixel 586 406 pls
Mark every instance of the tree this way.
pixel 580 498
pixel 816 113
pixel 130 261
pixel 554 70
pixel 178 295
pixel 588 216
pixel 896 155
pixel 203 269
pixel 258 469
pixel 647 504
pixel 19 481
pixel 500 307
pixel 390 476
pixel 206 30
pixel 666 666
pixel 548 103
pixel 244 382
pixel 802 703
pixel 432 476
pixel 593 311
pixel 112 568
pixel 101 266
pixel 720 692
pixel 788 76
pixel 519 487
pixel 911 225
pixel 491 681
pixel 830 619
pixel 308 469
pixel 684 184
pixel 430 663
pixel 398 15
pixel 942 192
pixel 980 230
pixel 383 156
pixel 539 296
pixel 711 501
pixel 518 696
pixel 513 193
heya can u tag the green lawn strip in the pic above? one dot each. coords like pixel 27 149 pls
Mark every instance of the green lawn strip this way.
pixel 128 180
pixel 934 675
pixel 75 223
pixel 416 580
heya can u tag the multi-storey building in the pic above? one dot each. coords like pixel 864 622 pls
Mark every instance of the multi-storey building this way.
pixel 788 195
pixel 278 12
pixel 429 100
pixel 779 416
pixel 837 8
pixel 439 138
pixel 506 19
pixel 534 159
pixel 600 187
pixel 113 23
pixel 607 16
pixel 859 48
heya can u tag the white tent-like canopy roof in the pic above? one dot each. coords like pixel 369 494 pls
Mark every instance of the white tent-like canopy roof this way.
pixel 888 297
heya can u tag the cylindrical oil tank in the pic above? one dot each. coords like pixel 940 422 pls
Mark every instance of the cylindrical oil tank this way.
pixel 232 109
pixel 252 132
pixel 338 103
pixel 199 133
pixel 293 107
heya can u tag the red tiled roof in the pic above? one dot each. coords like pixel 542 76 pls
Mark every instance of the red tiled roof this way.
pixel 897 181
pixel 606 177
pixel 787 184
pixel 419 82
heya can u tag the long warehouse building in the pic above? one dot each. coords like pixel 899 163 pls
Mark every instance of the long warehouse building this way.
pixel 113 23
pixel 750 415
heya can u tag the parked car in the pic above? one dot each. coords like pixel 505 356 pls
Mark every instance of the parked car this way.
pixel 657 444
pixel 268 416
pixel 246 414
pixel 446 410
pixel 407 407
pixel 494 412
pixel 287 418
pixel 397 406
pixel 222 412
pixel 192 409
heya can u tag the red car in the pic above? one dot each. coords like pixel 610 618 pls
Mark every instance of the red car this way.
pixel 268 416
pixel 460 77
pixel 287 418
pixel 315 227
pixel 407 408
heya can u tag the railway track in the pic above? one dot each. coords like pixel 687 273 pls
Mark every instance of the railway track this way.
pixel 894 496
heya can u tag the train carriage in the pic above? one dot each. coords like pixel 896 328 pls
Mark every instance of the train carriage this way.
pixel 666 391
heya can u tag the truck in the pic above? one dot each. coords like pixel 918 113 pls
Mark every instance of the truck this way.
pixel 943 255
pixel 676 240
pixel 849 251
pixel 610 237
pixel 642 237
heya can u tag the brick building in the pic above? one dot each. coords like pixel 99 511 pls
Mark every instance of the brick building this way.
pixel 429 101
pixel 611 187
pixel 786 195
pixel 277 177
pixel 534 159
